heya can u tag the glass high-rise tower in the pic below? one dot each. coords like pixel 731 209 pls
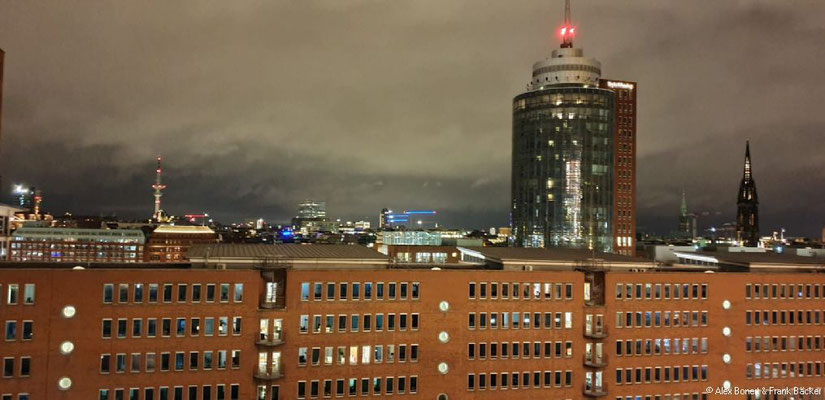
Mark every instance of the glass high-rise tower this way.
pixel 563 153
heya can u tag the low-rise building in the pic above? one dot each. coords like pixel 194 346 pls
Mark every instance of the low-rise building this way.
pixel 169 243
pixel 41 244
pixel 274 322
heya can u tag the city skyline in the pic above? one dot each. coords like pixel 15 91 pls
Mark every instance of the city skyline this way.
pixel 416 105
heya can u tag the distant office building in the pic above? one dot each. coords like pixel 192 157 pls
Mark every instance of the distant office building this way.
pixel 747 215
pixel 6 215
pixel 24 197
pixel 624 165
pixel 312 209
pixel 76 245
pixel 383 220
pixel 410 238
pixel 412 219
pixel 563 153
pixel 169 243
pixel 312 217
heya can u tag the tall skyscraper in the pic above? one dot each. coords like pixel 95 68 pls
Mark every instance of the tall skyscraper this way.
pixel 563 153
pixel 624 165
pixel 747 203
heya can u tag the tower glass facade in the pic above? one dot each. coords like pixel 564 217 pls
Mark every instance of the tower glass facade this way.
pixel 562 172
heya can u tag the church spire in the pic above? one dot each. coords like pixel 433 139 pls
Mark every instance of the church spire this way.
pixel 747 203
pixel 746 176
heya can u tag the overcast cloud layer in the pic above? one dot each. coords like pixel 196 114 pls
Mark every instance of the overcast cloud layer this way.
pixel 256 105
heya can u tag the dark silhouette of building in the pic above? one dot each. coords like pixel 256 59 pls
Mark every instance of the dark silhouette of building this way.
pixel 747 203
pixel 2 56
pixel 687 221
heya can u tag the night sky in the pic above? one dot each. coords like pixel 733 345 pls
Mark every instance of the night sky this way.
pixel 257 105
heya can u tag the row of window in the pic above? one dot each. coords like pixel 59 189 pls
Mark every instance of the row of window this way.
pixel 515 380
pixel 520 320
pixel 667 319
pixel 783 343
pixel 666 346
pixel 783 291
pixel 12 330
pixel 360 291
pixel 676 373
pixel 10 367
pixel 374 354
pixel 178 361
pixel 376 386
pixel 137 293
pixel 169 326
pixel 191 392
pixel 784 317
pixel 524 350
pixel 677 396
pixel 20 396
pixel 783 370
pixel 661 291
pixel 358 322
pixel 525 291
pixel 13 293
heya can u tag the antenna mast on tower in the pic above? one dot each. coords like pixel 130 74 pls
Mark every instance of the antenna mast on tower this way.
pixel 158 186
pixel 568 30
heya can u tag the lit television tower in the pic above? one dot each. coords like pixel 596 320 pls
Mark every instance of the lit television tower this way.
pixel 158 186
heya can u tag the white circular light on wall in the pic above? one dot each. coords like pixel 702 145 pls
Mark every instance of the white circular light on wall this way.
pixel 726 331
pixel 726 358
pixel 443 337
pixel 726 384
pixel 444 306
pixel 726 305
pixel 443 367
pixel 69 311
pixel 64 383
pixel 66 347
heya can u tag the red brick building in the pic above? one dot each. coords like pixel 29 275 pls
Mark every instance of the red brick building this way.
pixel 624 165
pixel 326 321
pixel 169 243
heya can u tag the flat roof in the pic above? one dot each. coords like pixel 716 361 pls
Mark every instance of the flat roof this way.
pixel 289 251
pixel 525 254
pixel 178 229
pixel 748 259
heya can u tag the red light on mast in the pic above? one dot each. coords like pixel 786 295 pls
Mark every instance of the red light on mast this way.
pixel 567 33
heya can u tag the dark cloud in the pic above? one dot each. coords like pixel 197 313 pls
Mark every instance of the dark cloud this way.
pixel 405 104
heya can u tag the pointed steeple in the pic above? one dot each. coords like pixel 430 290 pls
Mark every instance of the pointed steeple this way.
pixel 747 216
pixel 746 176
